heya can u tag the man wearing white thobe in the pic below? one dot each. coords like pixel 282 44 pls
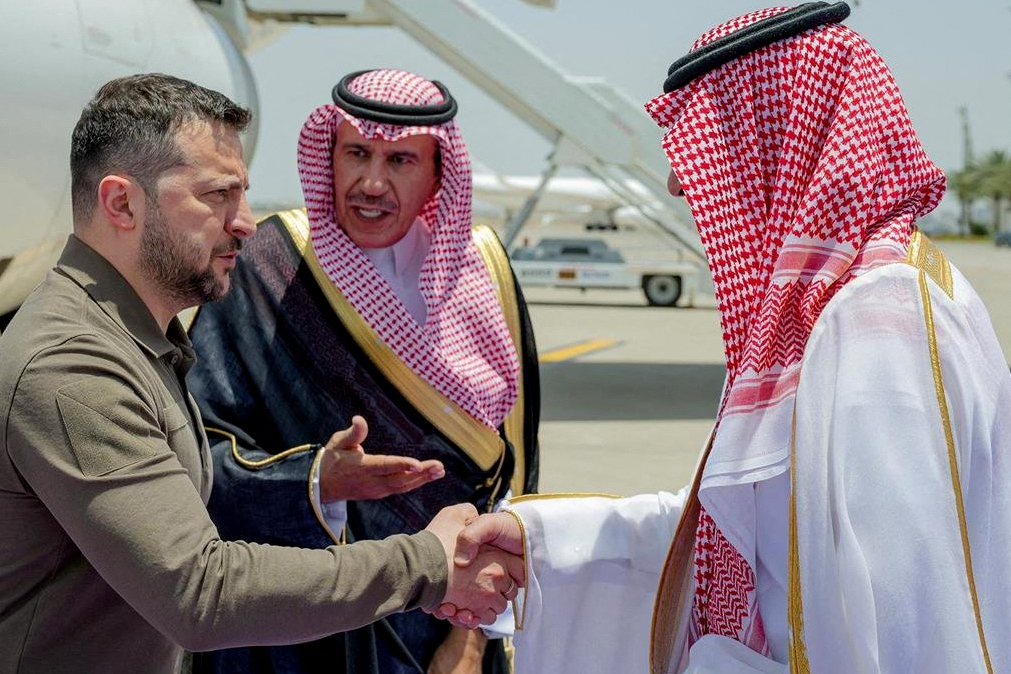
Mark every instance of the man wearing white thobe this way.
pixel 852 510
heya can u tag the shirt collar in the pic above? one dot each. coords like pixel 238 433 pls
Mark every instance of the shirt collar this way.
pixel 408 252
pixel 117 298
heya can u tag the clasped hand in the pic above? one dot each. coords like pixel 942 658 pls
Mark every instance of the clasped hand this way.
pixel 486 568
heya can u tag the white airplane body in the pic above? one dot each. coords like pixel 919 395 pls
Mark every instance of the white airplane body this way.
pixel 54 54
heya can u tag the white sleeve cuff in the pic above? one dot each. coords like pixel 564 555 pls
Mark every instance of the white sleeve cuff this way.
pixel 335 512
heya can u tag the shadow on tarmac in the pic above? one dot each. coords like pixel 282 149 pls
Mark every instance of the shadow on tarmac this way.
pixel 611 305
pixel 604 391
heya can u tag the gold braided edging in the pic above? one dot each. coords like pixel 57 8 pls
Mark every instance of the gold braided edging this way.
pixel 949 438
pixel 317 509
pixel 263 463
pixel 259 463
pixel 673 588
pixel 575 494
pixel 795 608
pixel 481 443
pixel 497 264
pixel 520 615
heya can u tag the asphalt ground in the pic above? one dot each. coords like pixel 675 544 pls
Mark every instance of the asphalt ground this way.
pixel 629 391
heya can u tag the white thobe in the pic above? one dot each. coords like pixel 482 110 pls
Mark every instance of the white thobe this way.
pixel 883 579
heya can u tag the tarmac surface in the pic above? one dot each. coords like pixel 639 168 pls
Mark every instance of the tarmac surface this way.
pixel 631 413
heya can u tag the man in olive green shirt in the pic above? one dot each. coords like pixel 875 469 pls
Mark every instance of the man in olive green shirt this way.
pixel 108 560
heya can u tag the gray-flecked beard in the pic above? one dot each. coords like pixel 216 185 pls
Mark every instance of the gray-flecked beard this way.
pixel 168 259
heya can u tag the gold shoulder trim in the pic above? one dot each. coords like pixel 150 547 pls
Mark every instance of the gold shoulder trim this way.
pixel 949 438
pixel 926 256
pixel 497 263
pixel 674 586
pixel 480 443
pixel 259 463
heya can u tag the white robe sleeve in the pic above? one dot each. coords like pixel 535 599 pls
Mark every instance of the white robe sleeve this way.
pixel 592 570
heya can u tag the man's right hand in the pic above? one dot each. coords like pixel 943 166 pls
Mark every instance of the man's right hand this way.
pixel 480 590
pixel 347 473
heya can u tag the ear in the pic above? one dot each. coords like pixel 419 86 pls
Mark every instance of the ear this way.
pixel 436 186
pixel 121 202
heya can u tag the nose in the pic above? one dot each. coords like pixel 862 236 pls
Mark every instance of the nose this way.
pixel 674 185
pixel 374 180
pixel 242 224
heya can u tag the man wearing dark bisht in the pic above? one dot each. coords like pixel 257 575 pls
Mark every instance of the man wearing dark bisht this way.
pixel 377 310
pixel 852 511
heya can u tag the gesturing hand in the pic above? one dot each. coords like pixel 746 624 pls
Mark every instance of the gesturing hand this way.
pixel 348 473
pixel 481 589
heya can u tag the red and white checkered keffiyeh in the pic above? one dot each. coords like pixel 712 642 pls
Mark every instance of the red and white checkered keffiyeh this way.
pixel 802 171
pixel 464 349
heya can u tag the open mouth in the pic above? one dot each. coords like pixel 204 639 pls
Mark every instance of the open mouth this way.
pixel 371 213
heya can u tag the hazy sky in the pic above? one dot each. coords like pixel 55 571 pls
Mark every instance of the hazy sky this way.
pixel 941 60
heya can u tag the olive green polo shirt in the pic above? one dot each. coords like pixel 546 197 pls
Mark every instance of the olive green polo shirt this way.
pixel 108 559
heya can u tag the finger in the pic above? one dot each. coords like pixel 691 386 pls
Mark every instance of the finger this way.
pixel 350 437
pixel 462 511
pixel 465 618
pixel 498 529
pixel 512 591
pixel 488 617
pixel 498 604
pixel 433 468
pixel 399 484
pixel 359 429
pixel 390 464
pixel 516 567
pixel 446 611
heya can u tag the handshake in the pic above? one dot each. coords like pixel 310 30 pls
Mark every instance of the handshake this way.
pixel 486 567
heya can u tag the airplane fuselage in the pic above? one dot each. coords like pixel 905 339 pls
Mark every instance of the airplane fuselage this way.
pixel 54 55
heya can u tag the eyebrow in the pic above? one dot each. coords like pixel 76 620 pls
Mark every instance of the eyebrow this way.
pixel 225 183
pixel 398 153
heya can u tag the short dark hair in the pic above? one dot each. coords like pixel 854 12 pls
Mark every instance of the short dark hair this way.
pixel 130 127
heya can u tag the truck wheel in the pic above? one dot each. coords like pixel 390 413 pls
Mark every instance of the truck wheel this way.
pixel 661 291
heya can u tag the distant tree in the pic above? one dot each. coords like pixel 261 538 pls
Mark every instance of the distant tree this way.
pixel 994 175
pixel 967 186
pixel 988 178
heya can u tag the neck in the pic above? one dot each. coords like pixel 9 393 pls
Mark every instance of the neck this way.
pixel 162 305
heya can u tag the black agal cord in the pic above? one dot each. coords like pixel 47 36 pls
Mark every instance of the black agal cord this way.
pixel 394 113
pixel 748 39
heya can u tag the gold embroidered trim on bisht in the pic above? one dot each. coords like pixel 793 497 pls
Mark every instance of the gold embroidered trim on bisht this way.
pixel 673 588
pixel 497 264
pixel 927 257
pixel 263 463
pixel 520 615
pixel 575 494
pixel 949 438
pixel 481 443
pixel 258 463
pixel 317 510
pixel 794 607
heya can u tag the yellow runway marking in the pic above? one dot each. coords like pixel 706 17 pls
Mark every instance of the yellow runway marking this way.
pixel 577 349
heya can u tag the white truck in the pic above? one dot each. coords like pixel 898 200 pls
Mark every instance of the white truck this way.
pixel 591 263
